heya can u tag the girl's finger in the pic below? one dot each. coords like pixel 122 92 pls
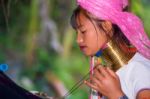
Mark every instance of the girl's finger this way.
pixel 103 71
pixel 95 81
pixel 99 97
pixel 91 85
pixel 98 75
pixel 112 73
pixel 97 65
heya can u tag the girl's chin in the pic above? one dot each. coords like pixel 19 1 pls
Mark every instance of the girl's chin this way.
pixel 88 54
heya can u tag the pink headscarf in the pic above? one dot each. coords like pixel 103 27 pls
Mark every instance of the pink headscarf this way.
pixel 130 24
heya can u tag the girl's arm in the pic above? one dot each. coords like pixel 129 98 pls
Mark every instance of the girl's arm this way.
pixel 144 94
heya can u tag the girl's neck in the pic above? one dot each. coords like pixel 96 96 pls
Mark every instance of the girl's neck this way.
pixel 117 56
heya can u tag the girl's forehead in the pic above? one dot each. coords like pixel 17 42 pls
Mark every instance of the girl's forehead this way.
pixel 81 20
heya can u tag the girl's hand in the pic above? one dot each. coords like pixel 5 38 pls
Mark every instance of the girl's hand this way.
pixel 106 82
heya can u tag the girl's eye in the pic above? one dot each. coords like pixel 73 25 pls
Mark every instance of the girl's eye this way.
pixel 83 32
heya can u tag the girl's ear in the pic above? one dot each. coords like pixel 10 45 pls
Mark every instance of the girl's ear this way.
pixel 108 27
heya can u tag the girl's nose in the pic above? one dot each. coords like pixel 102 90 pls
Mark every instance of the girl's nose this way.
pixel 79 38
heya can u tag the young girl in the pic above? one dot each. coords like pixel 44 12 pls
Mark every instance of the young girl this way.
pixel 104 28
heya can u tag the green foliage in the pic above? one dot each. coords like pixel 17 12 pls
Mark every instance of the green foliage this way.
pixel 142 10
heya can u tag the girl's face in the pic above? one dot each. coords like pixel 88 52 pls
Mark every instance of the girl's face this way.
pixel 89 37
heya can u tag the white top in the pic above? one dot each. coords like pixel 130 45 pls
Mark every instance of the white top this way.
pixel 135 76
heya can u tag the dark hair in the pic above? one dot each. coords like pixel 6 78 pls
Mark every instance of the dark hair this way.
pixel 118 36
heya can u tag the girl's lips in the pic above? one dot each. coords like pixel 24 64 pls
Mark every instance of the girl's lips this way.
pixel 82 47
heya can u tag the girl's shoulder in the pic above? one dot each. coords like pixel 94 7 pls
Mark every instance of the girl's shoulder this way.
pixel 139 58
pixel 139 62
pixel 137 66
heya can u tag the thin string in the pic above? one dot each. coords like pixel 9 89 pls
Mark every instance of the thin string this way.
pixel 78 84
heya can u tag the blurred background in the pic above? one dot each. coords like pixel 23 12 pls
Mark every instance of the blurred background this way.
pixel 38 44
